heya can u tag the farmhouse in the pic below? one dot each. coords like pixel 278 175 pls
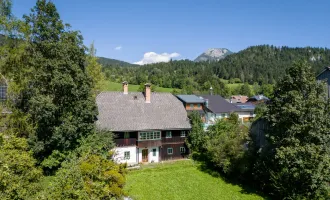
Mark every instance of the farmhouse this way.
pixel 150 127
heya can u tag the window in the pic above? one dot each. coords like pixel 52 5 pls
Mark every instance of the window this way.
pixel 183 134
pixel 127 155
pixel 149 135
pixel 223 115
pixel 154 152
pixel 169 151
pixel 126 135
pixel 182 150
pixel 199 105
pixel 191 105
pixel 168 134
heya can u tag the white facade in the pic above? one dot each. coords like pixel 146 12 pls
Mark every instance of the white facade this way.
pixel 245 114
pixel 119 155
pixel 213 117
pixel 241 115
pixel 153 154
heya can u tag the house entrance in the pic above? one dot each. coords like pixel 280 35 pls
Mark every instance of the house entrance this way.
pixel 144 155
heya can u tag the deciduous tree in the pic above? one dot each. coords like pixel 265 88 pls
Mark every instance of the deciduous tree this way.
pixel 57 94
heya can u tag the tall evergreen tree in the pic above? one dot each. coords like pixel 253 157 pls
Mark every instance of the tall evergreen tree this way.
pixel 296 163
pixel 57 94
pixel 94 70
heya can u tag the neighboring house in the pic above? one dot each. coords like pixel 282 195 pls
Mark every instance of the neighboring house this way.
pixel 3 95
pixel 246 112
pixel 213 107
pixel 219 108
pixel 193 103
pixel 238 99
pixel 3 88
pixel 150 127
pixel 258 99
pixel 325 75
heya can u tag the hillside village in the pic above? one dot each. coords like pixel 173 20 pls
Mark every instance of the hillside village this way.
pixel 247 125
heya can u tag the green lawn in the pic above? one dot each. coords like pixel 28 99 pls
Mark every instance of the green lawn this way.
pixel 180 180
pixel 112 86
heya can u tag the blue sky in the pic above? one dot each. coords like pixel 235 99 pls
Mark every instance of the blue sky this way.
pixel 189 27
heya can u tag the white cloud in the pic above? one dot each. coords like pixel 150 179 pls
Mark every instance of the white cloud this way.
pixel 152 57
pixel 118 48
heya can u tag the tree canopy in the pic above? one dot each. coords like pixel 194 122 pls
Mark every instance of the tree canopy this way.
pixel 57 94
pixel 49 145
pixel 296 164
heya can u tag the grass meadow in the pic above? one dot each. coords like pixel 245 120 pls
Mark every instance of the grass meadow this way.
pixel 181 180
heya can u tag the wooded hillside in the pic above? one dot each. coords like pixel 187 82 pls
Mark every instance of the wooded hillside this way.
pixel 258 65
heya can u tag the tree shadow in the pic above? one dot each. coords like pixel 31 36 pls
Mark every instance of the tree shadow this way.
pixel 247 185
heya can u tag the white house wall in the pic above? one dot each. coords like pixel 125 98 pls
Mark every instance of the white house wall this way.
pixel 245 114
pixel 151 158
pixel 119 154
pixel 242 114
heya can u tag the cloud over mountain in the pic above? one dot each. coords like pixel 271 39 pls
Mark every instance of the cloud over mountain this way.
pixel 152 57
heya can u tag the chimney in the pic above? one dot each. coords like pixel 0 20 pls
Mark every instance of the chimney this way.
pixel 148 92
pixel 211 90
pixel 125 87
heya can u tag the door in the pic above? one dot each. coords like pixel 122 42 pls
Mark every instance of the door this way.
pixel 145 155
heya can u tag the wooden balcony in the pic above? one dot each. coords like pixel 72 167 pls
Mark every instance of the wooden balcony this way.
pixel 173 140
pixel 126 142
pixel 149 143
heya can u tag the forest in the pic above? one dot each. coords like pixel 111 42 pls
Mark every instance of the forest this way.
pixel 256 65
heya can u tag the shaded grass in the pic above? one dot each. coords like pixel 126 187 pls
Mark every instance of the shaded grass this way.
pixel 180 180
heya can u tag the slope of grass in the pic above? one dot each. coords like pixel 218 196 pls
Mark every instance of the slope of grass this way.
pixel 112 86
pixel 180 180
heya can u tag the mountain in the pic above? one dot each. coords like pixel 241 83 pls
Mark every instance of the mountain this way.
pixel 214 54
pixel 108 61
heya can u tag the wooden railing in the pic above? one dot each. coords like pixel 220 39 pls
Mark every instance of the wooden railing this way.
pixel 176 139
pixel 126 142
pixel 149 143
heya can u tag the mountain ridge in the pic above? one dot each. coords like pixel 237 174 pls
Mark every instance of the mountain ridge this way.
pixel 109 61
pixel 213 54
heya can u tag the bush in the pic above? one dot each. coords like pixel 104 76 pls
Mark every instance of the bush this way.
pixel 88 173
pixel 225 145
pixel 19 175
